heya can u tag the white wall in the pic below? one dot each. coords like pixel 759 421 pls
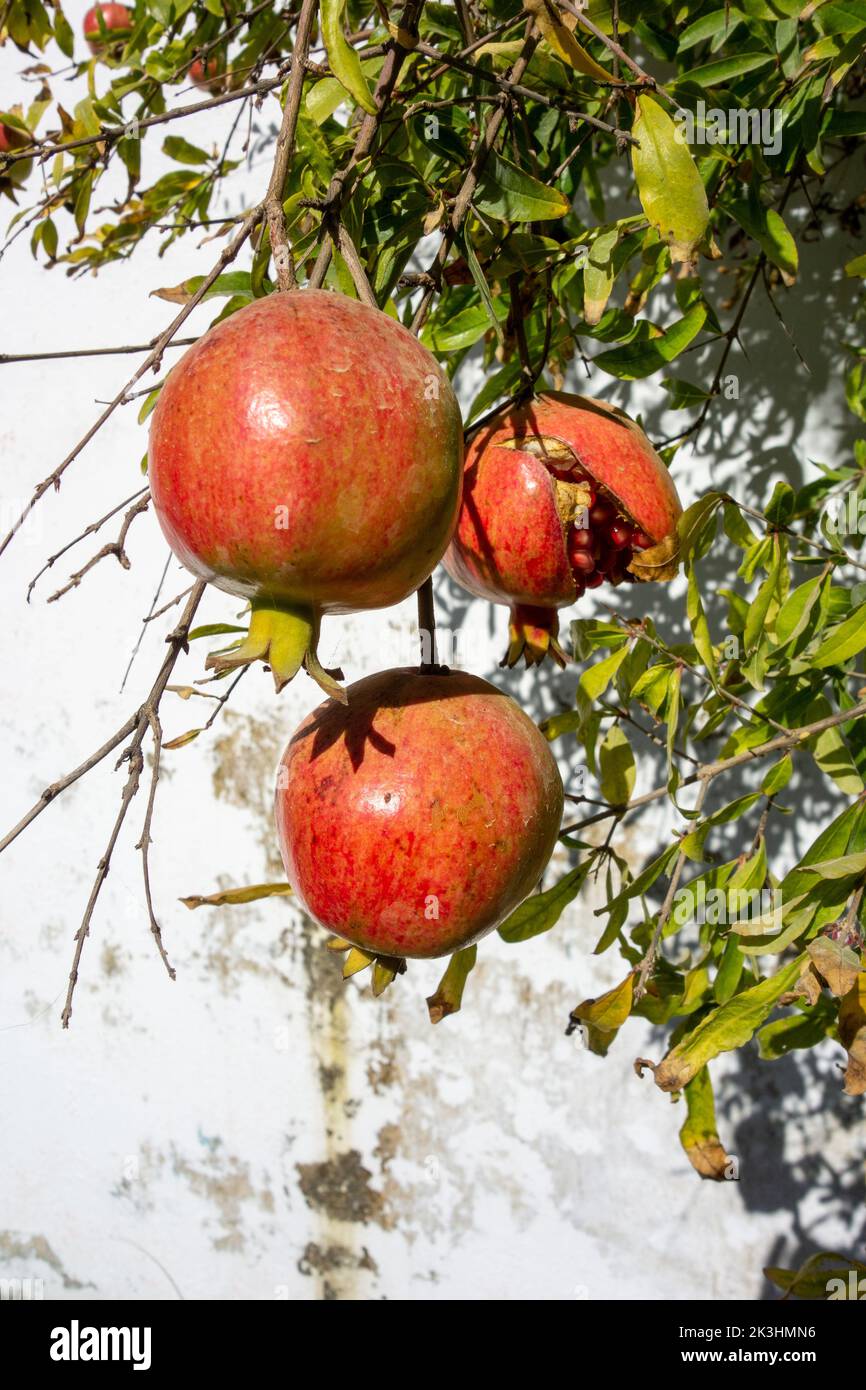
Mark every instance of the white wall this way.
pixel 258 1129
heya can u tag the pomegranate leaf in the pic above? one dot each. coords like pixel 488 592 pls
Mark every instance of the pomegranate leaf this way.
pixel 449 992
pixel 602 1018
pixel 509 194
pixel 724 1028
pixel 698 1133
pixel 543 910
pixel 852 1035
pixel 233 897
pixel 669 186
pixel 344 61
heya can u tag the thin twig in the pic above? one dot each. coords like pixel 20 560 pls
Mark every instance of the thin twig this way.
pixel 285 147
pixel 116 548
pixel 709 771
pixel 132 754
pixel 650 957
pixel 89 531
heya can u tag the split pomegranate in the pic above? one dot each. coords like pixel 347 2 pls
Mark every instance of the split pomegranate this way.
pixel 560 495
pixel 107 25
pixel 306 454
pixel 415 819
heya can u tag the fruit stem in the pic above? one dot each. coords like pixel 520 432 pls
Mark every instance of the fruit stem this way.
pixel 284 636
pixel 427 624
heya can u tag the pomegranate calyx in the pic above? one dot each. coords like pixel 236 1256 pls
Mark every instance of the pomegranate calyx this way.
pixel 533 634
pixel 284 636
pixel 385 968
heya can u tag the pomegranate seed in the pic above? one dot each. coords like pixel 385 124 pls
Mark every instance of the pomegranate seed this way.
pixel 601 512
pixel 579 587
pixel 583 562
pixel 640 540
pixel 593 580
pixel 619 534
pixel 606 561
pixel 582 539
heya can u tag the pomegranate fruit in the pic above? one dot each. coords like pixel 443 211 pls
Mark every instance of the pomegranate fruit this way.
pixel 306 454
pixel 415 819
pixel 106 26
pixel 207 74
pixel 560 495
pixel 11 138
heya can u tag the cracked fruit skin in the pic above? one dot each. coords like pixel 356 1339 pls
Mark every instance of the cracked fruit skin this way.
pixel 561 494
pixel 413 820
pixel 306 454
pixel 117 20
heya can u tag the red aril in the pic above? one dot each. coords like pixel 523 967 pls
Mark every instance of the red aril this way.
pixel 306 455
pixel 413 820
pixel 538 477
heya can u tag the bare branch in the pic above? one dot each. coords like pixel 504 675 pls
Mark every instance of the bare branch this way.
pixel 132 754
pixel 89 531
pixel 116 548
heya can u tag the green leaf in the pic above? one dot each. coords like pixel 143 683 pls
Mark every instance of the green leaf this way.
pixel 182 151
pixel 784 1035
pixel 766 227
pixel 669 186
pixel 650 354
pixel 698 1133
pixel 449 992
pixel 617 765
pixel 683 394
pixel 700 628
pixel 725 1028
pixel 543 910
pixel 713 74
pixel 843 641
pixel 598 276
pixel 759 608
pixel 857 266
pixel 597 678
pixel 344 61
pixel 729 972
pixel 778 776
pixel 722 21
pixel 511 195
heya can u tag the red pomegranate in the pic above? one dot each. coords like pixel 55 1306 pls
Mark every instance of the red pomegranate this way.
pixel 415 819
pixel 12 176
pixel 107 25
pixel 559 495
pixel 207 74
pixel 306 454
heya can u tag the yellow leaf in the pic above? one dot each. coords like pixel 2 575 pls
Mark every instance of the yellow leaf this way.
pixel 558 30
pixel 670 188
pixel 603 1017
pixel 232 897
pixel 852 1035
pixel 698 1136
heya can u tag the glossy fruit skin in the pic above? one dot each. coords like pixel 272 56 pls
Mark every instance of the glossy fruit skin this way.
pixel 427 793
pixel 118 23
pixel 311 410
pixel 509 545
